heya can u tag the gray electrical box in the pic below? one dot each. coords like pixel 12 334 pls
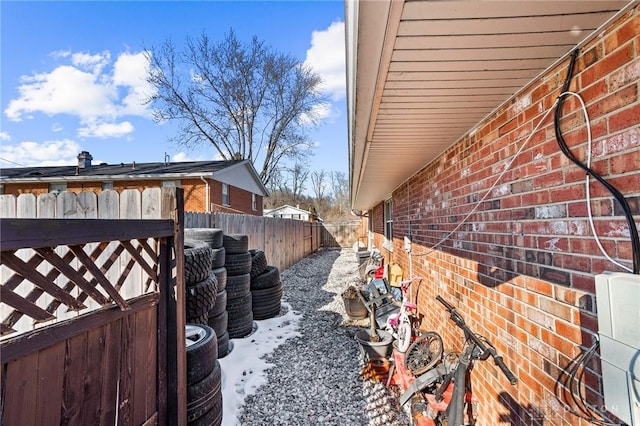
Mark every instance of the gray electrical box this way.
pixel 618 302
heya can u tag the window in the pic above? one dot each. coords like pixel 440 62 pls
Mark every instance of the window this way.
pixel 254 202
pixel 107 185
pixel 225 195
pixel 388 220
pixel 58 187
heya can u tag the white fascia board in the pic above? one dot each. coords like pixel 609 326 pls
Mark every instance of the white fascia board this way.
pixel 242 175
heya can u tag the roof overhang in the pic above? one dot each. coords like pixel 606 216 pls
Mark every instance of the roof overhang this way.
pixel 237 176
pixel 422 74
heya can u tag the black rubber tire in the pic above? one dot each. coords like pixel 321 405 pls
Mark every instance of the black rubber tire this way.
pixel 238 264
pixel 219 256
pixel 212 417
pixel 211 236
pixel 267 312
pixel 202 319
pixel 258 262
pixel 238 286
pixel 235 243
pixel 219 323
pixel 240 317
pixel 197 261
pixel 221 304
pixel 202 395
pixel 221 275
pixel 223 345
pixel 268 279
pixel 266 303
pixel 240 327
pixel 267 294
pixel 202 353
pixel 201 297
pixel 238 307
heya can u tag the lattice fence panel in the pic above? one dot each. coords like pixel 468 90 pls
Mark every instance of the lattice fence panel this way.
pixel 45 285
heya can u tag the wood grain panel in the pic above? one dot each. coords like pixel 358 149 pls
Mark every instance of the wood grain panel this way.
pixel 92 387
pixel 127 373
pixel 48 398
pixel 19 390
pixel 75 369
pixel 110 372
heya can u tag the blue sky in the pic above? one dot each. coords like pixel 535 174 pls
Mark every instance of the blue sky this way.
pixel 72 73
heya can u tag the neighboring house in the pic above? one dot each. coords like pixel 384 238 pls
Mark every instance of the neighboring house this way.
pixel 209 186
pixel 464 190
pixel 290 212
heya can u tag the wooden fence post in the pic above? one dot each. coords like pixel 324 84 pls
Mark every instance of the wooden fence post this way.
pixel 173 208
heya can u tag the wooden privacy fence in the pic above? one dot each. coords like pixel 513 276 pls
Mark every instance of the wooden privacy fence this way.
pixel 90 325
pixel 284 241
pixel 109 204
pixel 343 234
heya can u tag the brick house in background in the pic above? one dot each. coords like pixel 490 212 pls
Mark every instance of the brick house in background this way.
pixel 209 186
pixel 444 101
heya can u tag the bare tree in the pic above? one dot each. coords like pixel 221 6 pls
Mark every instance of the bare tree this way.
pixel 298 174
pixel 318 183
pixel 340 191
pixel 246 100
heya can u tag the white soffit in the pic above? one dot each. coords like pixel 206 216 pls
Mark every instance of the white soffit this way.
pixel 442 67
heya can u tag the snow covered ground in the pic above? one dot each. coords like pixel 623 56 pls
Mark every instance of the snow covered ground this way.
pixel 303 368
pixel 244 368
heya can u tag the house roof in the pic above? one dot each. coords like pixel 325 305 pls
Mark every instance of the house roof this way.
pixel 288 209
pixel 422 74
pixel 223 171
pixel 285 207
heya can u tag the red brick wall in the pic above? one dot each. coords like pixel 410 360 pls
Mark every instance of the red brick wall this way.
pixel 239 199
pixel 195 194
pixel 25 188
pixel 521 268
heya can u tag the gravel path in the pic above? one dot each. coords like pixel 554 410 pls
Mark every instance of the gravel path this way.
pixel 316 377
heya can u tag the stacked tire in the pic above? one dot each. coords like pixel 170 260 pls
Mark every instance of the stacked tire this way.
pixel 204 377
pixel 239 302
pixel 217 316
pixel 266 287
pixel 201 284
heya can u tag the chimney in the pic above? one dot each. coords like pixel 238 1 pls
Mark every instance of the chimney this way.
pixel 84 160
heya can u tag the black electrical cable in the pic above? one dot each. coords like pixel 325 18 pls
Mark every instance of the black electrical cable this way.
pixel 633 230
pixel 573 378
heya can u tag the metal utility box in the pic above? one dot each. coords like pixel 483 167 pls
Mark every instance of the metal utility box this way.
pixel 618 302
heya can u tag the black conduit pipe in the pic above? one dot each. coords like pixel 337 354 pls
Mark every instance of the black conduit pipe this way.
pixel 633 230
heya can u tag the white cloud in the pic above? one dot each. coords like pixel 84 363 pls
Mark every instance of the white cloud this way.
pixel 93 63
pixel 318 114
pixel 327 58
pixel 183 156
pixel 4 136
pixel 105 130
pixel 27 153
pixel 89 89
pixel 59 54
pixel 130 70
pixel 66 90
